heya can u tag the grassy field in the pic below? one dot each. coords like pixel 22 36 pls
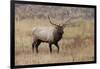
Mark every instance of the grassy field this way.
pixel 76 45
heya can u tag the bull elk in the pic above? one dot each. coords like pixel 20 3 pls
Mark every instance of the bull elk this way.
pixel 50 35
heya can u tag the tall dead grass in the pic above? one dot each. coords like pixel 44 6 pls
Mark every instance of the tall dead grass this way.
pixel 76 45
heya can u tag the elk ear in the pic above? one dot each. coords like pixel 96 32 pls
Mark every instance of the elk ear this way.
pixel 63 26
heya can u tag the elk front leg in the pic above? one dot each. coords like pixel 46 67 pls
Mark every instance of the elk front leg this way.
pixel 56 44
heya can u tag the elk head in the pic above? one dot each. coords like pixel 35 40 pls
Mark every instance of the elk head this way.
pixel 58 27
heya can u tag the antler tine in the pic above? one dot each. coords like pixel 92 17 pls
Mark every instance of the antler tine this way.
pixel 51 21
pixel 71 17
pixel 67 21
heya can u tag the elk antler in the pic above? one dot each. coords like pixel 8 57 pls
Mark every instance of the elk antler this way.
pixel 51 21
pixel 71 17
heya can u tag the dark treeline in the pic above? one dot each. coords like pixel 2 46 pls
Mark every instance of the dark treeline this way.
pixel 23 11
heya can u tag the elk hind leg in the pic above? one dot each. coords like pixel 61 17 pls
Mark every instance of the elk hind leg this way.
pixel 33 44
pixel 37 45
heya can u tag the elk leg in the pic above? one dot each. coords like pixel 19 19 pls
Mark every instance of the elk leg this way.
pixel 37 44
pixel 56 44
pixel 50 48
pixel 33 43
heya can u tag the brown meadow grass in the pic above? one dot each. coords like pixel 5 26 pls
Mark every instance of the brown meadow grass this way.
pixel 76 45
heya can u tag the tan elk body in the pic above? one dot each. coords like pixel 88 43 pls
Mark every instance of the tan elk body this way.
pixel 44 33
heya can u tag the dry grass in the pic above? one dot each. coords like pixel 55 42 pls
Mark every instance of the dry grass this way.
pixel 76 45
